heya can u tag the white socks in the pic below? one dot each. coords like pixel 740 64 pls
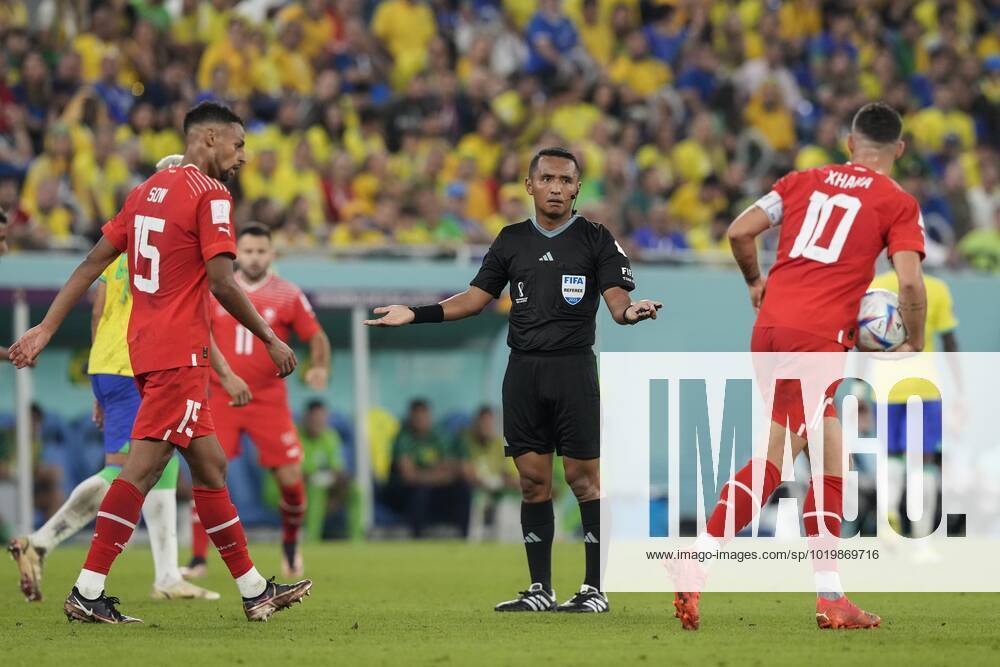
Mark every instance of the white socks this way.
pixel 828 584
pixel 90 584
pixel 251 584
pixel 78 510
pixel 160 512
pixel 707 544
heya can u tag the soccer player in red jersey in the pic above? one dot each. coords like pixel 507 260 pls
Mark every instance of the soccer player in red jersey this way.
pixel 267 419
pixel 178 234
pixel 834 223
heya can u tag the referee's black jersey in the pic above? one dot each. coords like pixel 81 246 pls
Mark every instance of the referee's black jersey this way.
pixel 556 280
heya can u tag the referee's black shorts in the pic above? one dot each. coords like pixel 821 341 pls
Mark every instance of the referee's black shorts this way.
pixel 552 402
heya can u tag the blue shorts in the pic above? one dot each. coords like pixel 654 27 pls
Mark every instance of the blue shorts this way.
pixel 119 398
pixel 932 427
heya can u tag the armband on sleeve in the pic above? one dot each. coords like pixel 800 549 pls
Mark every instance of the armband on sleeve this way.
pixel 772 206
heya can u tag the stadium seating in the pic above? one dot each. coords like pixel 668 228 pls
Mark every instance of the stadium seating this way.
pixel 396 129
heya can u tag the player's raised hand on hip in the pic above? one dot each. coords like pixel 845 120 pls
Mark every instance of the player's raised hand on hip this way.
pixel 27 348
pixel 282 356
pixel 392 316
pixel 238 390
pixel 642 310
pixel 756 293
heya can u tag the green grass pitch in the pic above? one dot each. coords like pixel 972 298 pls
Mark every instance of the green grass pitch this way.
pixel 432 603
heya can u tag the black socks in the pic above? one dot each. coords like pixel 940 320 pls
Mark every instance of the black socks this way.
pixel 537 528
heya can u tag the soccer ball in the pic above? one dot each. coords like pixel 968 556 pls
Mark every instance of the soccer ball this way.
pixel 880 326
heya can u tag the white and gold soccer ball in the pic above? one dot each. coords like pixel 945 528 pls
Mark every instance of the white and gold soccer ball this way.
pixel 880 326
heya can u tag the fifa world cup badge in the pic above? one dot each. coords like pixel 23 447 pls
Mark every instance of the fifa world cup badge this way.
pixel 573 288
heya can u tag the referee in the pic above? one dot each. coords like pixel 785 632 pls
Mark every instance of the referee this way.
pixel 558 265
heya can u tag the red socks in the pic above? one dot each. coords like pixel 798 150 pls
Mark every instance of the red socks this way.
pixel 293 511
pixel 116 519
pixel 222 523
pixel 744 504
pixel 832 511
pixel 199 538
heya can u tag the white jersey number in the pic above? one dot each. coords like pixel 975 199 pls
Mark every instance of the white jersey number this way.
pixel 818 214
pixel 145 224
pixel 244 340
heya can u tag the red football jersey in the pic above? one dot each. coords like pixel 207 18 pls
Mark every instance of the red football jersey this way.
pixel 284 307
pixel 170 226
pixel 835 222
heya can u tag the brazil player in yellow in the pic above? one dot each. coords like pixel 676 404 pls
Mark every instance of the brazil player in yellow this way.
pixel 116 404
pixel 941 323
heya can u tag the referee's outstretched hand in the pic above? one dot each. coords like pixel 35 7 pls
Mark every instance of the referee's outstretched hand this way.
pixel 392 316
pixel 642 310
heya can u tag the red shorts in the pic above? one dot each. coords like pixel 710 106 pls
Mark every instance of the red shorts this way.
pixel 174 405
pixel 266 419
pixel 788 404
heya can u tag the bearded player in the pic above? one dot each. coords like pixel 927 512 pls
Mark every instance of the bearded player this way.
pixel 115 406
pixel 834 222
pixel 268 419
pixel 177 231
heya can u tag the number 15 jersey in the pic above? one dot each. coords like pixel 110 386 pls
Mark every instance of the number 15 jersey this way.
pixel 835 221
pixel 170 226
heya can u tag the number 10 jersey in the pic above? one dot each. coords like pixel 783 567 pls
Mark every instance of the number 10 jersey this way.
pixel 169 227
pixel 834 223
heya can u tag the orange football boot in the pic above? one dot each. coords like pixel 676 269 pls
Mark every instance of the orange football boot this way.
pixel 842 614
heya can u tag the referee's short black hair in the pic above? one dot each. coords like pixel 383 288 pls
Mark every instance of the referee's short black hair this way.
pixel 315 404
pixel 553 151
pixel 209 112
pixel 254 229
pixel 878 122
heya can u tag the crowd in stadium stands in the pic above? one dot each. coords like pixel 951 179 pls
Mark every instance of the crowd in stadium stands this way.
pixel 408 123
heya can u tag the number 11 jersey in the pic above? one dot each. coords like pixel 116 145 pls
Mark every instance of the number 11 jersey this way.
pixel 169 227
pixel 834 223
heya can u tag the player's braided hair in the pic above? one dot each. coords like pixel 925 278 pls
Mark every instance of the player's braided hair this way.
pixel 209 112
pixel 879 122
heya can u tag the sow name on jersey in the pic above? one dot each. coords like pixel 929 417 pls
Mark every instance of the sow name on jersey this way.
pixel 839 179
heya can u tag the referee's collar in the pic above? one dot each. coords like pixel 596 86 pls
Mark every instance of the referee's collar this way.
pixel 551 233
